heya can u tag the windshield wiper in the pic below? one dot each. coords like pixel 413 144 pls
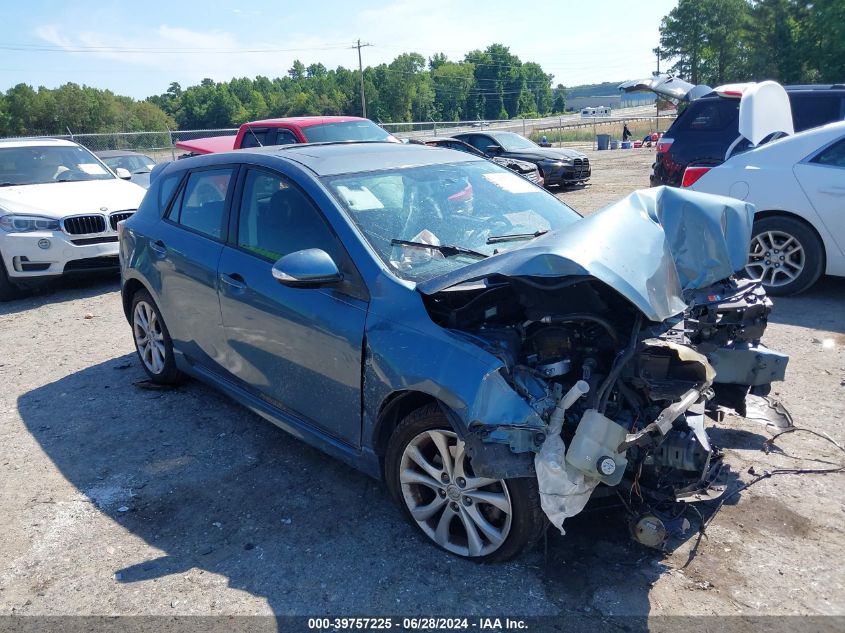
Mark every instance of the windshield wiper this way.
pixel 449 250
pixel 494 239
pixel 9 184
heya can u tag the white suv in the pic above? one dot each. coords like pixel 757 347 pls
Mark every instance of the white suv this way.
pixel 59 209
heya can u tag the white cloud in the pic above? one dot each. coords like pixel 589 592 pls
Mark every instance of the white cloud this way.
pixel 180 53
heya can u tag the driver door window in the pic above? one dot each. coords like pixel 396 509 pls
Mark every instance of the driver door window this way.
pixel 276 219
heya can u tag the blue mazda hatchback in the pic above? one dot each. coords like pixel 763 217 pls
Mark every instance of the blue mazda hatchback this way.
pixel 436 320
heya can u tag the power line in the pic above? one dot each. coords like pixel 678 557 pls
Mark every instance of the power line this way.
pixel 166 51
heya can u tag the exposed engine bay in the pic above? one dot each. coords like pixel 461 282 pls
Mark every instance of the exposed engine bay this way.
pixel 622 399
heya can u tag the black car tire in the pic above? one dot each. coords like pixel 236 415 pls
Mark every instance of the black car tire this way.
pixel 813 249
pixel 165 371
pixel 8 290
pixel 527 521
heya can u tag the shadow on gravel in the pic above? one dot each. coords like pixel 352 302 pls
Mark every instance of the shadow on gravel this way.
pixel 821 307
pixel 69 288
pixel 215 487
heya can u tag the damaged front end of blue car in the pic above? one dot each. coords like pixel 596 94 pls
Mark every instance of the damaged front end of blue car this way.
pixel 593 355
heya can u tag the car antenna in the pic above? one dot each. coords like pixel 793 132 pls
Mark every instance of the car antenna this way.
pixel 255 136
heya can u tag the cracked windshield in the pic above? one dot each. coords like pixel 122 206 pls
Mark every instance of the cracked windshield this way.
pixel 425 221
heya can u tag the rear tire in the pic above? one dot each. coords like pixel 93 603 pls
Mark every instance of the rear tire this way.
pixel 431 479
pixel 152 341
pixel 8 290
pixel 785 254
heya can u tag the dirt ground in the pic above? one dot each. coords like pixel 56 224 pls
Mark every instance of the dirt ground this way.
pixel 116 499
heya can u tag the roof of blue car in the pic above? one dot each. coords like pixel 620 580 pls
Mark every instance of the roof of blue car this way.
pixel 328 159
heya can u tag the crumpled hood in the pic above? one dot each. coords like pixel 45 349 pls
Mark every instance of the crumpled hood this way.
pixel 650 246
pixel 59 199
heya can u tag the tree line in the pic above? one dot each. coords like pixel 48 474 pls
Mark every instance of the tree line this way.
pixel 721 41
pixel 486 84
pixel 709 41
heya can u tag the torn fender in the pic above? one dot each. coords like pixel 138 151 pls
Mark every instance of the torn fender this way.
pixel 484 409
pixel 652 247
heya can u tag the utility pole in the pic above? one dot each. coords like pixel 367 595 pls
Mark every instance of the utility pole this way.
pixel 657 52
pixel 361 71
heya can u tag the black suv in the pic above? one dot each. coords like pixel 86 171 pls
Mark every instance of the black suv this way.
pixel 705 130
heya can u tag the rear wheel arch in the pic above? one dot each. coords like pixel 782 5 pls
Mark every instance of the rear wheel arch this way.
pixel 130 289
pixel 774 213
pixel 785 223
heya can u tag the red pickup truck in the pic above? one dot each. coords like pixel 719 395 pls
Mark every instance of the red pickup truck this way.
pixel 306 129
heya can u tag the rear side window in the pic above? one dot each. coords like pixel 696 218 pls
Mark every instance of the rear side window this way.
pixel 833 156
pixel 167 187
pixel 715 114
pixel 201 205
pixel 285 137
pixel 254 137
pixel 809 111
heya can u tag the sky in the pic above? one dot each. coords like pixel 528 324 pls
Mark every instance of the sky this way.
pixel 139 48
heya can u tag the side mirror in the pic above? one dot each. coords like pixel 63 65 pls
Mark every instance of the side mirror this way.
pixel 310 267
pixel 494 149
pixel 123 173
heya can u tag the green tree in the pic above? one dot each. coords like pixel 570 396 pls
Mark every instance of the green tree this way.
pixel 538 83
pixel 823 41
pixel 705 39
pixel 559 104
pixel 297 71
pixel 452 85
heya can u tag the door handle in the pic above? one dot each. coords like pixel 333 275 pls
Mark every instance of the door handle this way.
pixel 159 247
pixel 234 280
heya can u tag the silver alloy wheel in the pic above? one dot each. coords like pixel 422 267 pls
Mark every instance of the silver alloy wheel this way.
pixel 463 513
pixel 149 338
pixel 776 258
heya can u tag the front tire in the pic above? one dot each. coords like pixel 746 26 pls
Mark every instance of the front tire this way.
pixel 430 477
pixel 152 341
pixel 785 255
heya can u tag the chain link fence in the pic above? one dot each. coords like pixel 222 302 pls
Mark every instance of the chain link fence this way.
pixel 560 131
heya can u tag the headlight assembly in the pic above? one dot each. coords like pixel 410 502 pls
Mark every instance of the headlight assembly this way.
pixel 27 223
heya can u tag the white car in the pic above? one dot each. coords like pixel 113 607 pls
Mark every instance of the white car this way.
pixel 797 185
pixel 59 209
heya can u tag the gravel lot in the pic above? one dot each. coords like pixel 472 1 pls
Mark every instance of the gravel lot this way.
pixel 121 500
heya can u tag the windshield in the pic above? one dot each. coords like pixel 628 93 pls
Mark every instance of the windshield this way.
pixel 464 211
pixel 514 142
pixel 37 165
pixel 345 131
pixel 134 163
